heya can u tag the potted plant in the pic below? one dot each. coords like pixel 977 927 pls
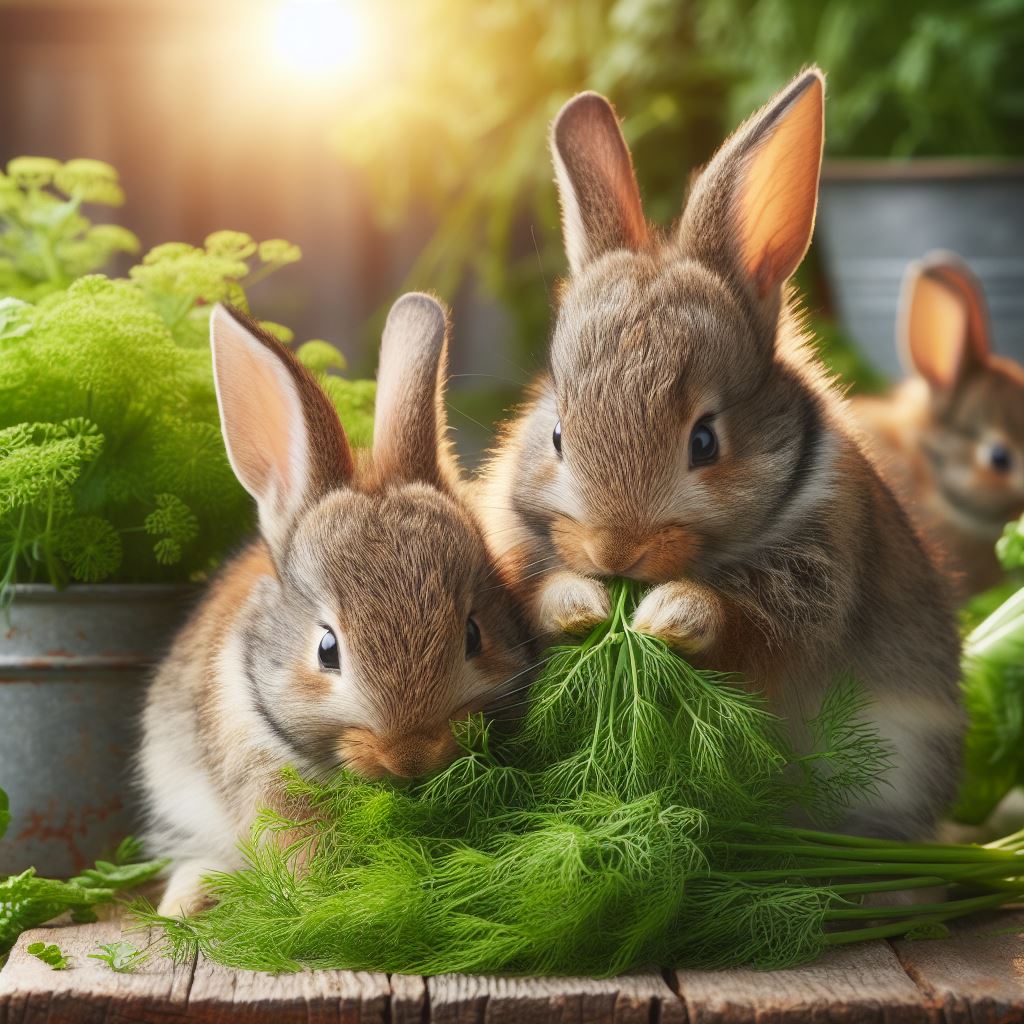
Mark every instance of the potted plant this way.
pixel 923 138
pixel 115 491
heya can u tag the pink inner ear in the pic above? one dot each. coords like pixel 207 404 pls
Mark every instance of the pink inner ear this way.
pixel 937 332
pixel 261 415
pixel 779 193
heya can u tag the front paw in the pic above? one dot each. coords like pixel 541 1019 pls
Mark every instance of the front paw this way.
pixel 570 603
pixel 687 616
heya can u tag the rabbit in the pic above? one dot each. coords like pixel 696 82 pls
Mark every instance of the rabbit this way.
pixel 686 436
pixel 365 617
pixel 950 439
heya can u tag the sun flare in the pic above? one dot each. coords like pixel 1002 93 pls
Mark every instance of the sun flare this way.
pixel 321 38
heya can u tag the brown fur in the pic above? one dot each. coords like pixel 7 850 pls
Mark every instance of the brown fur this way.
pixel 929 435
pixel 787 559
pixel 383 551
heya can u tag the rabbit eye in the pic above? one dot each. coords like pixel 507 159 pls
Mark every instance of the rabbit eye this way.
pixel 474 643
pixel 327 652
pixel 999 458
pixel 556 437
pixel 703 445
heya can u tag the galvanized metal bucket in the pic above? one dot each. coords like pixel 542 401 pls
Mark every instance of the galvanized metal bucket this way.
pixel 73 670
pixel 876 216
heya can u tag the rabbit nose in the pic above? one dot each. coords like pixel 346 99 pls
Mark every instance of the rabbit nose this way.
pixel 611 557
pixel 403 755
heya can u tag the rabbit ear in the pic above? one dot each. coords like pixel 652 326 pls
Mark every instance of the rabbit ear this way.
pixel 600 200
pixel 409 423
pixel 751 213
pixel 943 321
pixel 283 437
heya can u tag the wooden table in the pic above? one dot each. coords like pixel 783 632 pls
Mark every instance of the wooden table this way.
pixel 976 976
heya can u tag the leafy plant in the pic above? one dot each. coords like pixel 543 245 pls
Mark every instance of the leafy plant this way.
pixel 51 955
pixel 940 78
pixel 122 957
pixel 112 465
pixel 27 901
pixel 637 817
pixel 993 688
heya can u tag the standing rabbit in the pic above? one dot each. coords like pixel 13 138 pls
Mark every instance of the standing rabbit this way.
pixel 950 440
pixel 686 436
pixel 366 616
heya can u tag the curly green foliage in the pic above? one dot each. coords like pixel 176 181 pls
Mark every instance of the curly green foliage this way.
pixel 635 818
pixel 45 241
pixel 112 465
pixel 27 901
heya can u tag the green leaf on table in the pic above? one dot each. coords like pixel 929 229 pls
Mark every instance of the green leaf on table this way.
pixel 51 954
pixel 122 957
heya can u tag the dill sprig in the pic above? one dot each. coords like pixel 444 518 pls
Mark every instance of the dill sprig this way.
pixel 639 815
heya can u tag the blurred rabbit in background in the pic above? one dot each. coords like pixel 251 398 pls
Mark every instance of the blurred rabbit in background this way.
pixel 950 439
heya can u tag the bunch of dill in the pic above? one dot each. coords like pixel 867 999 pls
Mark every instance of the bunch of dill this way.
pixel 635 818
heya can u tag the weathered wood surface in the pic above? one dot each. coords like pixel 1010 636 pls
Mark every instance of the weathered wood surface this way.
pixel 976 976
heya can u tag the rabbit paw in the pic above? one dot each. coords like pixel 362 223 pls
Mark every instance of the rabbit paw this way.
pixel 185 894
pixel 570 603
pixel 687 616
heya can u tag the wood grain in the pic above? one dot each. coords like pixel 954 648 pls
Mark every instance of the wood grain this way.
pixel 978 974
pixel 475 999
pixel 858 984
pixel 89 992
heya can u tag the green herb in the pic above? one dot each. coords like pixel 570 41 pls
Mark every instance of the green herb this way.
pixel 27 901
pixel 122 957
pixel 993 691
pixel 637 817
pixel 49 954
pixel 112 466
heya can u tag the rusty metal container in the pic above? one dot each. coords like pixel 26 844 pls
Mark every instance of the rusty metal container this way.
pixel 73 670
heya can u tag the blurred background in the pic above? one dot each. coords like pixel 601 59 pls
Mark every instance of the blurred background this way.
pixel 403 145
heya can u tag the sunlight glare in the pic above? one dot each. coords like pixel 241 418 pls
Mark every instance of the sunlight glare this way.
pixel 321 38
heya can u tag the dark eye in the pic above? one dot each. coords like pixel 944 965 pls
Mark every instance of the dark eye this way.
pixel 999 457
pixel 327 652
pixel 703 445
pixel 556 437
pixel 474 645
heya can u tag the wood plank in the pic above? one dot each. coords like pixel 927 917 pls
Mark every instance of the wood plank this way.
pixel 408 999
pixel 978 974
pixel 858 984
pixel 223 995
pixel 483 999
pixel 89 992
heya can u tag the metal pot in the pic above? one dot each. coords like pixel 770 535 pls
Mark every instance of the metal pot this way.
pixel 876 216
pixel 73 670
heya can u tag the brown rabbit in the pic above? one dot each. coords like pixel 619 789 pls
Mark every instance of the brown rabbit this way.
pixel 365 618
pixel 686 436
pixel 950 440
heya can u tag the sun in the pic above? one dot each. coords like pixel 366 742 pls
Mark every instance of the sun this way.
pixel 321 38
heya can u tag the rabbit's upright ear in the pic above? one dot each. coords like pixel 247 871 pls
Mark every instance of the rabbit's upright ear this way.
pixel 409 440
pixel 943 328
pixel 283 437
pixel 751 213
pixel 601 207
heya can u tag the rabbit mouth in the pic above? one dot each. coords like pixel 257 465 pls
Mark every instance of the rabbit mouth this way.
pixel 402 755
pixel 658 556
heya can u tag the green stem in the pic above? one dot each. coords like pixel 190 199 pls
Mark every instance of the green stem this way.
pixel 956 906
pixel 888 931
pixel 912 855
